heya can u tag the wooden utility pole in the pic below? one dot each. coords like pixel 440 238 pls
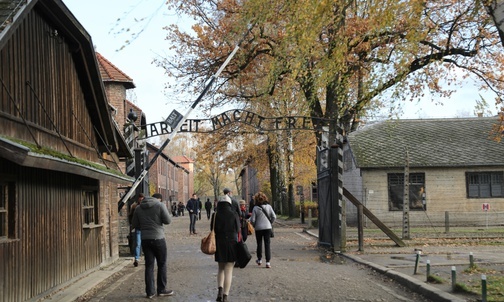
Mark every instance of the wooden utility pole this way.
pixel 405 231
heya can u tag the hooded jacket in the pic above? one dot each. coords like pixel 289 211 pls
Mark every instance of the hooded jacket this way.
pixel 149 217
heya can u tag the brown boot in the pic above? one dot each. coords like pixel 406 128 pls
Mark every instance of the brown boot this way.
pixel 224 298
pixel 219 295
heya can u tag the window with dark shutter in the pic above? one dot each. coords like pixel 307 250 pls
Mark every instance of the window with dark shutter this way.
pixel 484 184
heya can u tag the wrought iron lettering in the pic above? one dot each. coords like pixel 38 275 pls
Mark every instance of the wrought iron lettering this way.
pixel 244 117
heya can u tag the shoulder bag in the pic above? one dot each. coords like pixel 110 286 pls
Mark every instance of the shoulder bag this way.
pixel 250 228
pixel 243 255
pixel 267 216
pixel 208 245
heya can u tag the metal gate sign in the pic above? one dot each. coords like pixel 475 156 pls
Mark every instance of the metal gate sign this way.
pixel 243 117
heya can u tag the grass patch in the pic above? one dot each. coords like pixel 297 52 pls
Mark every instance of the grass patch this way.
pixel 53 153
pixel 495 288
pixel 462 288
pixel 494 281
pixel 435 279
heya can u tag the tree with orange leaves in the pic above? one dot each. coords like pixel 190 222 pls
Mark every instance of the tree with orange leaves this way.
pixel 337 59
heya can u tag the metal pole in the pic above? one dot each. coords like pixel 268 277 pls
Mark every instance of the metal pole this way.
pixel 176 127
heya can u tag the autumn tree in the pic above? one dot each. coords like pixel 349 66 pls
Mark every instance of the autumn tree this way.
pixel 342 55
pixel 334 59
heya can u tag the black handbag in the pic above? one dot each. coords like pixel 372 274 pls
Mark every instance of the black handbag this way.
pixel 242 254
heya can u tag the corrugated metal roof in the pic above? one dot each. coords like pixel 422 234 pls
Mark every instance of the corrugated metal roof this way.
pixel 429 142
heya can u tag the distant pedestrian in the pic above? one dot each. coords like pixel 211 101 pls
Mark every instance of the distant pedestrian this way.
pixel 138 233
pixel 192 207
pixel 174 209
pixel 149 217
pixel 181 208
pixel 262 219
pixel 208 207
pixel 244 215
pixel 200 206
pixel 226 235
pixel 251 205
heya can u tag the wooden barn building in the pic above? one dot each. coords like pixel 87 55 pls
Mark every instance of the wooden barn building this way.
pixel 60 153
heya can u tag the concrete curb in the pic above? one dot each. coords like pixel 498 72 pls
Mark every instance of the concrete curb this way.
pixel 80 287
pixel 412 283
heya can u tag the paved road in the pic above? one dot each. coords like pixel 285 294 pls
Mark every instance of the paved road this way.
pixel 300 272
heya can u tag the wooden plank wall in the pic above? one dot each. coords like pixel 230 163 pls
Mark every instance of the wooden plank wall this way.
pixel 39 54
pixel 51 246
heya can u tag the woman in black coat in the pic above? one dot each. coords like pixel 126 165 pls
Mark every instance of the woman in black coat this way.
pixel 227 226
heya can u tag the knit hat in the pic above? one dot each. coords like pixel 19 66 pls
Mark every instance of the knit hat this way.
pixel 226 190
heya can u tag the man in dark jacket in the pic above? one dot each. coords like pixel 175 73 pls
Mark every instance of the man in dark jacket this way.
pixel 149 217
pixel 192 207
pixel 234 203
pixel 208 207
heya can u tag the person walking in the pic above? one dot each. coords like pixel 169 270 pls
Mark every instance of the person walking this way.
pixel 149 217
pixel 251 205
pixel 227 226
pixel 174 209
pixel 138 236
pixel 208 207
pixel 200 206
pixel 192 207
pixel 244 215
pixel 234 203
pixel 181 208
pixel 262 219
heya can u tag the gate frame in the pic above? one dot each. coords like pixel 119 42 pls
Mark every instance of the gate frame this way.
pixel 332 207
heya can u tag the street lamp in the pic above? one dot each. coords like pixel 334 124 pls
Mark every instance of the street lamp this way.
pixel 132 116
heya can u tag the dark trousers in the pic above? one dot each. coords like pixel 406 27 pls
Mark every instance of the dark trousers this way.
pixel 208 213
pixel 192 224
pixel 155 251
pixel 260 236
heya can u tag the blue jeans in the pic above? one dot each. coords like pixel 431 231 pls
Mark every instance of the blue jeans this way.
pixel 192 226
pixel 260 235
pixel 155 252
pixel 138 244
